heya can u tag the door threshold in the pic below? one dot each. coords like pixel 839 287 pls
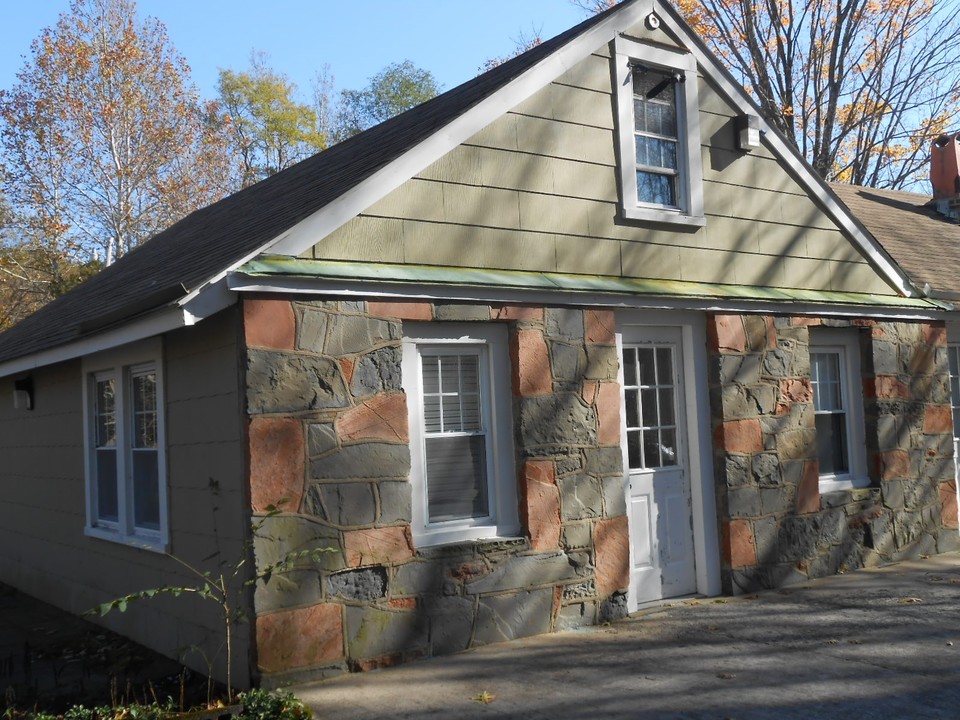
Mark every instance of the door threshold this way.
pixel 653 605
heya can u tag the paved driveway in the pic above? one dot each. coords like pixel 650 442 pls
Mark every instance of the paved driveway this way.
pixel 880 643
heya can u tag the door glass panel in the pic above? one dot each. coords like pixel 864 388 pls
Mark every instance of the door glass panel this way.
pixel 651 449
pixel 649 382
pixel 648 406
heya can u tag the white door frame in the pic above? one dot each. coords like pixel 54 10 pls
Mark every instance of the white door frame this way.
pixel 697 412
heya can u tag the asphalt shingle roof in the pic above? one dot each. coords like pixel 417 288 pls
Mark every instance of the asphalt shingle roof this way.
pixel 208 241
pixel 921 240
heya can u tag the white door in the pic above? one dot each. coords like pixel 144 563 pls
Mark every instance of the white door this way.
pixel 658 468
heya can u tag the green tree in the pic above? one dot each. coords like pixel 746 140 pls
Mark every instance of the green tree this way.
pixel 396 88
pixel 105 140
pixel 859 87
pixel 269 129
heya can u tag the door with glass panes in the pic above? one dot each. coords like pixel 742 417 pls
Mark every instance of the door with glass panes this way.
pixel 658 474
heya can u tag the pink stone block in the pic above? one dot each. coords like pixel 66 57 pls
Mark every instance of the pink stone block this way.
pixel 299 638
pixel 600 327
pixel 739 546
pixel 895 465
pixel 808 491
pixel 948 504
pixel 542 504
pixel 938 419
pixel 611 542
pixel 530 364
pixel 382 417
pixel 608 413
pixel 269 323
pixel 727 332
pixel 401 309
pixel 739 436
pixel 276 463
pixel 377 546
pixel 517 312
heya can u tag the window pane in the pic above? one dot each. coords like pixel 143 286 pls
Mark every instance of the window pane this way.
pixel 431 373
pixel 629 366
pixel 825 371
pixel 832 443
pixel 456 478
pixel 107 504
pixel 664 366
pixel 668 447
pixel 106 414
pixel 667 416
pixel 634 458
pixel 647 376
pixel 632 401
pixel 146 490
pixel 144 392
pixel 648 407
pixel 655 188
pixel 651 449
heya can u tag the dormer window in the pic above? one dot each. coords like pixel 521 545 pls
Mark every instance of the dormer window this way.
pixel 659 133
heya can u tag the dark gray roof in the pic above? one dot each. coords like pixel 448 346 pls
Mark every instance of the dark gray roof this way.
pixel 208 241
pixel 921 240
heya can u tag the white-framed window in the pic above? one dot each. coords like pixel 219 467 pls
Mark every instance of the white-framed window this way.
pixel 457 380
pixel 661 178
pixel 838 410
pixel 124 446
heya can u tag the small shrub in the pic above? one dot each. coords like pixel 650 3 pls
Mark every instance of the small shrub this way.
pixel 263 705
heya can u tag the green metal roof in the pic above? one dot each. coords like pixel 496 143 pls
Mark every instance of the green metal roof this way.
pixel 293 267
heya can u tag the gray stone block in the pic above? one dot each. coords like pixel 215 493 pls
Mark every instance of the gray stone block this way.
pixel 568 464
pixel 342 504
pixel 576 535
pixel 743 502
pixel 417 578
pixel 525 571
pixel 948 540
pixel 765 536
pixel 353 306
pixel 321 438
pixel 564 323
pixel 798 537
pixel 885 360
pixel 285 382
pixel 395 502
pixel 776 363
pixel 378 371
pixel 766 470
pixel 560 419
pixel 737 470
pixel 776 500
pixel 279 536
pixel 892 493
pixel 366 460
pixel 311 329
pixel 576 591
pixel 614 496
pixel 365 584
pixel 507 617
pixel 567 361
pixel 576 616
pixel 350 334
pixel 372 632
pixel 457 312
pixel 613 608
pixel 833 528
pixel 296 588
pixel 740 369
pixel 451 624
pixel 580 497
pixel 603 362
pixel 603 461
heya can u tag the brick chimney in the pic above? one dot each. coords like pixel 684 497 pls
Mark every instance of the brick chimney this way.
pixel 945 175
pixel 945 166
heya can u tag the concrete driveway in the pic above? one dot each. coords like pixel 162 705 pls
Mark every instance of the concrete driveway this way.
pixel 878 643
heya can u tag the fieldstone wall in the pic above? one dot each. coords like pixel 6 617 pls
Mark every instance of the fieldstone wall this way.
pixel 776 527
pixel 328 434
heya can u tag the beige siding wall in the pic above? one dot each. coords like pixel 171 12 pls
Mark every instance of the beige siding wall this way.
pixel 537 190
pixel 43 549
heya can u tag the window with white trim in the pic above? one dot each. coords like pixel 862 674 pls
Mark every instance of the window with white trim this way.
pixel 838 410
pixel 457 381
pixel 124 446
pixel 661 176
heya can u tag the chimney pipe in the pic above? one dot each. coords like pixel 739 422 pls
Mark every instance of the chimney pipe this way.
pixel 945 166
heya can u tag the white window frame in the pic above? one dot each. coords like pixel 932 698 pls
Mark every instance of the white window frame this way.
pixel 689 210
pixel 492 340
pixel 122 365
pixel 846 346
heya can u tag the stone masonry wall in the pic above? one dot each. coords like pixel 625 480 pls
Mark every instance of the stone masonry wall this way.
pixel 776 527
pixel 328 434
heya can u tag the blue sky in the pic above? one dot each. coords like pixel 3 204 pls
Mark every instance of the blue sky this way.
pixel 356 38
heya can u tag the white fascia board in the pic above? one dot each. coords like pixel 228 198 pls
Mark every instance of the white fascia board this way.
pixel 154 324
pixel 412 291
pixel 801 170
pixel 341 210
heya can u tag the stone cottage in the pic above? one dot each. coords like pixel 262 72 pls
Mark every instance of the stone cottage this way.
pixel 580 334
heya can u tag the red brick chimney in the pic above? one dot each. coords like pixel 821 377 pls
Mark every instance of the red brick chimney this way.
pixel 945 166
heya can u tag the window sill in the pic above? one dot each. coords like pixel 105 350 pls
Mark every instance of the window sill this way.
pixel 661 217
pixel 829 485
pixel 140 542
pixel 474 538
